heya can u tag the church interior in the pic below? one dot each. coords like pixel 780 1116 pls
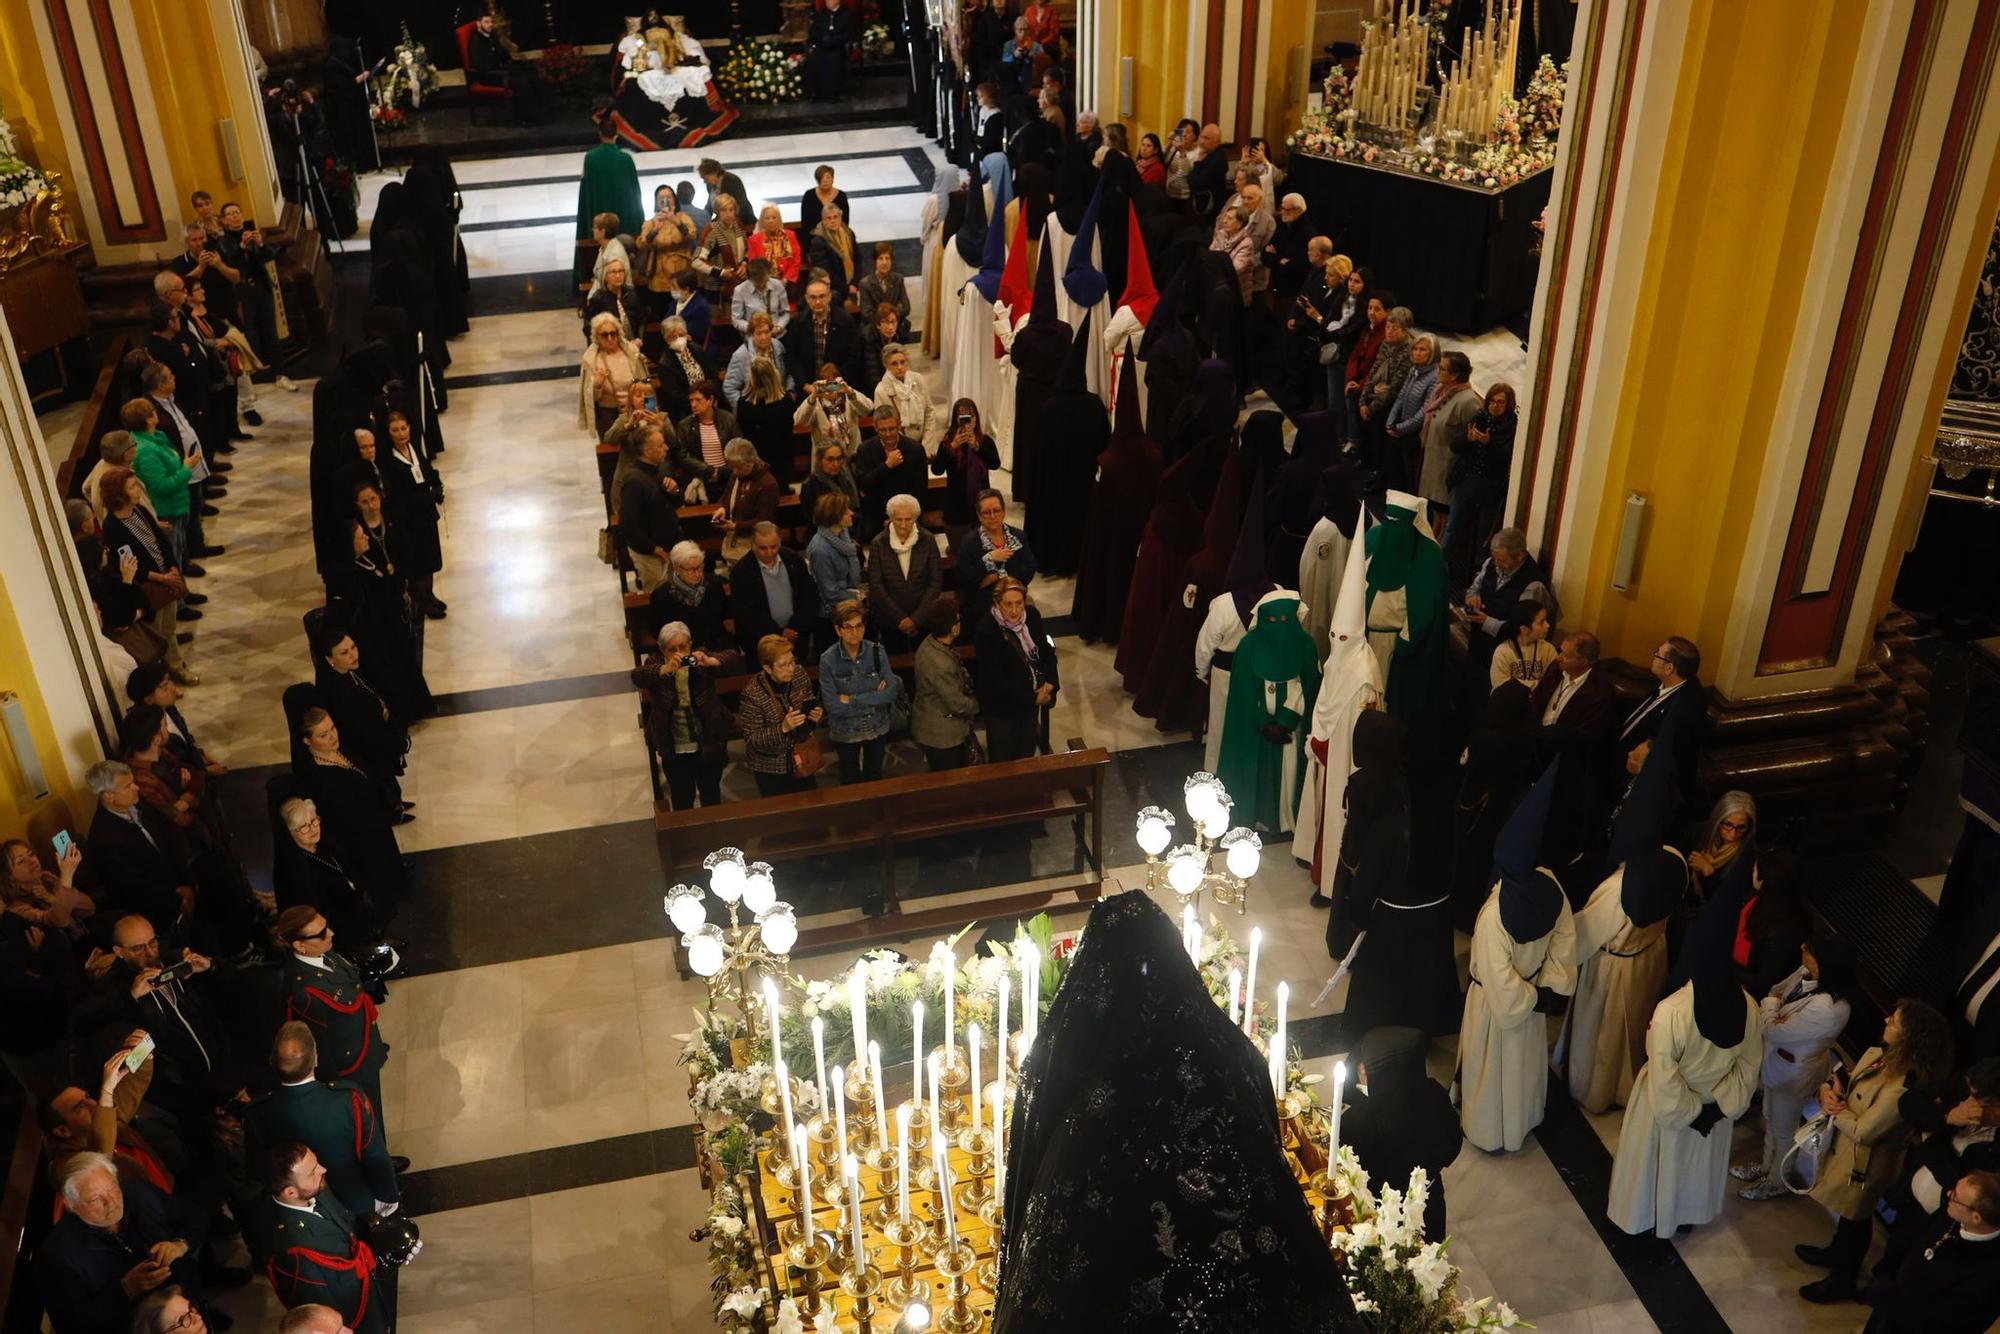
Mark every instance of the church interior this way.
pixel 879 665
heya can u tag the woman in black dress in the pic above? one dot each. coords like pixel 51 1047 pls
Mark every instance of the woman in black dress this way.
pixel 357 814
pixel 413 492
pixel 369 598
pixel 306 869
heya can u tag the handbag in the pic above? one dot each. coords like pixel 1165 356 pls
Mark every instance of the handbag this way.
pixel 1329 352
pixel 808 757
pixel 970 752
pixel 158 595
pixel 1799 1168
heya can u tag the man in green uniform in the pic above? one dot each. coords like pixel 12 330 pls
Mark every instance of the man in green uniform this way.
pixel 1406 620
pixel 610 184
pixel 335 1119
pixel 313 1254
pixel 326 992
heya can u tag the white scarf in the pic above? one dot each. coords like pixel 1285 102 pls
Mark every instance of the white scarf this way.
pixel 903 549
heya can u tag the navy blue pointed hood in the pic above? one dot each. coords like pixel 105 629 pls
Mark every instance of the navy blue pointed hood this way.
pixel 993 260
pixel 1655 875
pixel 1530 899
pixel 971 238
pixel 1248 576
pixel 1084 278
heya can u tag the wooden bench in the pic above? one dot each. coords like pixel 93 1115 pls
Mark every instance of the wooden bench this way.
pixel 100 416
pixel 882 815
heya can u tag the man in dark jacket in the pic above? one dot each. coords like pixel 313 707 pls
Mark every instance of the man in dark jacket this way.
pixel 332 1117
pixel 648 519
pixel 115 1243
pixel 888 464
pixel 823 333
pixel 130 855
pixel 774 594
pixel 1951 1284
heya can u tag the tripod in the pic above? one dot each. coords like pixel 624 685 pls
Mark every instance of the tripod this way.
pixel 320 213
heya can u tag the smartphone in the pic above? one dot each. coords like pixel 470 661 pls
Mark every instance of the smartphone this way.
pixel 963 419
pixel 652 403
pixel 124 553
pixel 141 1049
pixel 174 972
pixel 63 843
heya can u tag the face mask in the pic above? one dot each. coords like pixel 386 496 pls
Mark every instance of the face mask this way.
pixel 677 343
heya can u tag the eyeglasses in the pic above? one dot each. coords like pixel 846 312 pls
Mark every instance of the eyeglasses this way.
pixel 138 945
pixel 320 934
pixel 191 1320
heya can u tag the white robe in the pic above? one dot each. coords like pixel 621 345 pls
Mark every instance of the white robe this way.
pixel 1619 972
pixel 1665 1174
pixel 1798 1034
pixel 1351 680
pixel 1221 631
pixel 1324 558
pixel 974 370
pixel 1503 1042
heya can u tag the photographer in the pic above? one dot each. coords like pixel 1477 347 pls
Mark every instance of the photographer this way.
pixel 832 408
pixel 965 456
pixel 256 297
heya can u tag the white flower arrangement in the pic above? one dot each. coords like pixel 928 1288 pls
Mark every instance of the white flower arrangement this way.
pixel 760 72
pixel 19 182
pixel 1401 1282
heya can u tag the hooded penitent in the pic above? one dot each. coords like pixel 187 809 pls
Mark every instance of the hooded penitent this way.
pixel 1656 874
pixel 1128 478
pixel 1040 348
pixel 1404 1120
pixel 1531 900
pixel 1169 351
pixel 1350 681
pixel 1075 430
pixel 1147 1189
pixel 1168 691
pixel 1406 618
pixel 1295 490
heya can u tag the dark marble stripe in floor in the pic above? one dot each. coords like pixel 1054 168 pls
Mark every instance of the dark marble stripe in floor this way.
pixel 509 224
pixel 562 688
pixel 544 1171
pixel 529 375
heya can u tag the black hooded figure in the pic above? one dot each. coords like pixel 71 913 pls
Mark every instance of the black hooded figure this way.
pixel 1294 493
pixel 408 387
pixel 1503 758
pixel 1040 349
pixel 1147 1189
pixel 403 277
pixel 1403 1119
pixel 1128 479
pixel 342 404
pixel 1405 972
pixel 1075 429
pixel 1171 355
pixel 1169 692
pixel 435 220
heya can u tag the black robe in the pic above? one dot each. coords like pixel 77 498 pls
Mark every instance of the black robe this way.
pixel 1074 429
pixel 357 826
pixel 1503 758
pixel 1128 480
pixel 372 602
pixel 1148 1189
pixel 433 219
pixel 1168 348
pixel 1039 351
pixel 318 878
pixel 1170 693
pixel 1403 1121
pixel 412 509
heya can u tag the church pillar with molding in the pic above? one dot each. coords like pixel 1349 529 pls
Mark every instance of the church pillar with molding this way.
pixel 1764 236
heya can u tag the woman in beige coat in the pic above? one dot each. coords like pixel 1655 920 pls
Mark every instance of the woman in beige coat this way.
pixel 1869 1136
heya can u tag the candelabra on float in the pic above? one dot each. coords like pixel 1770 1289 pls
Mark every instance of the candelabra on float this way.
pixel 1189 868
pixel 712 951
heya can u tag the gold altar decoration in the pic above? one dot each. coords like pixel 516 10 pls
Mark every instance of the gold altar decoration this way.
pixel 42 226
pixel 1395 60
pixel 1472 94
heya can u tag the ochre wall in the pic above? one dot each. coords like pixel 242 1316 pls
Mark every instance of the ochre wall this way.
pixel 26 97
pixel 17 809
pixel 1717 312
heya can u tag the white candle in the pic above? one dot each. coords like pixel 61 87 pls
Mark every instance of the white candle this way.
pixel 857 1001
pixel 804 1160
pixel 1278 1061
pixel 1000 1091
pixel 771 1006
pixel 944 1196
pixel 917 1053
pixel 903 1163
pixel 950 1005
pixel 819 1062
pixel 1236 995
pixel 1000 1030
pixel 854 1212
pixel 1333 1123
pixel 972 1045
pixel 881 1107
pixel 784 1076
pixel 840 1107
pixel 999 1143
pixel 1250 982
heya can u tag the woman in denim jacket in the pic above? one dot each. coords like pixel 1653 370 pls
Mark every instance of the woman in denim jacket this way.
pixel 857 687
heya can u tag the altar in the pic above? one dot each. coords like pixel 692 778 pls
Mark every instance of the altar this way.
pixel 1462 257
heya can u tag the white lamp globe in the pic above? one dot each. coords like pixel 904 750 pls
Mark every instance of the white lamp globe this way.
pixel 705 952
pixel 1184 869
pixel 760 891
pixel 1156 830
pixel 1215 818
pixel 685 909
pixel 1200 794
pixel 1244 852
pixel 780 929
pixel 725 873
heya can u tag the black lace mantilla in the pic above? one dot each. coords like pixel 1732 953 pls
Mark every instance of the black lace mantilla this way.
pixel 1146 1188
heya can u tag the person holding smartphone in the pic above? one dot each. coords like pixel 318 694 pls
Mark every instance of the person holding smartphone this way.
pixel 965 457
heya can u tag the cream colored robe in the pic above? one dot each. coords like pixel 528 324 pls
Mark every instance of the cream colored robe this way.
pixel 1221 631
pixel 1620 969
pixel 1320 568
pixel 1665 1174
pixel 1503 1043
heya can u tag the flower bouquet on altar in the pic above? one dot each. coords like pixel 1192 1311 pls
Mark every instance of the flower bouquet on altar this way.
pixel 408 77
pixel 757 71
pixel 19 182
pixel 1403 1284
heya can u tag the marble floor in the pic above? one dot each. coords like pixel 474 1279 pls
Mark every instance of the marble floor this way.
pixel 535 1081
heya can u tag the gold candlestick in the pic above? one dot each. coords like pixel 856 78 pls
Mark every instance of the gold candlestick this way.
pixel 810 1255
pixel 861 1093
pixel 862 1283
pixel 954 1078
pixel 974 1194
pixel 826 1147
pixel 954 1263
pixel 920 1131
pixel 906 1287
pixel 883 1163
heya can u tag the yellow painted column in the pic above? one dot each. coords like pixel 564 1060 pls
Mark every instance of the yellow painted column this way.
pixel 1751 298
pixel 27 98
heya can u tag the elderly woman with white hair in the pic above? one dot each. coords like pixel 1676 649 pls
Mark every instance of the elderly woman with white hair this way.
pixel 610 364
pixel 905 575
pixel 614 294
pixel 681 367
pixel 685 721
pixel 905 391
pixel 695 598
pixel 306 869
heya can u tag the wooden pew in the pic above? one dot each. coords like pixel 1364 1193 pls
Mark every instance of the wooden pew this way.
pixel 99 416
pixel 879 816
